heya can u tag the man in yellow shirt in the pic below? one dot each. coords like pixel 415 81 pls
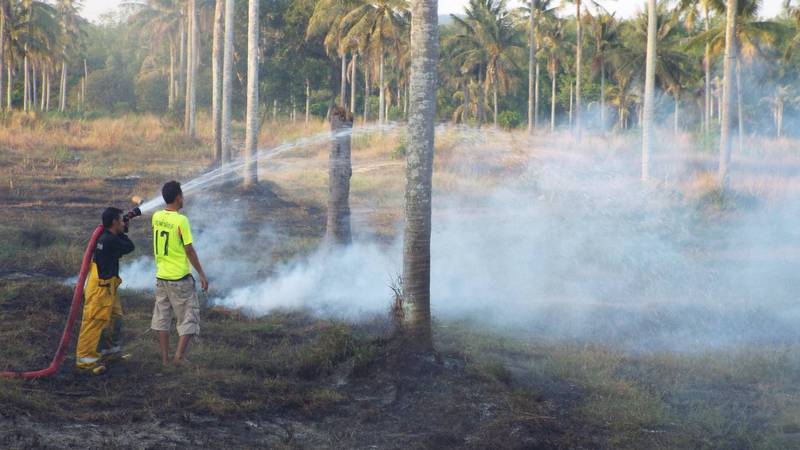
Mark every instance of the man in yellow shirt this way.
pixel 175 286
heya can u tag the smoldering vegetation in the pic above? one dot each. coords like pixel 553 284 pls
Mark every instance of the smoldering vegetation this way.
pixel 551 240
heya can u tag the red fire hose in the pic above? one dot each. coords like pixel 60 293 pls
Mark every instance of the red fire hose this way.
pixel 71 318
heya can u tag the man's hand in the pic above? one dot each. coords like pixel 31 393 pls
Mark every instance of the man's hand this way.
pixel 203 283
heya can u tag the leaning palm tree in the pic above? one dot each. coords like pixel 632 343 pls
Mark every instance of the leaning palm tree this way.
pixel 251 132
pixel 649 89
pixel 419 170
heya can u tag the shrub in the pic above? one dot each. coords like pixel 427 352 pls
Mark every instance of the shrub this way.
pixel 151 92
pixel 109 90
pixel 509 119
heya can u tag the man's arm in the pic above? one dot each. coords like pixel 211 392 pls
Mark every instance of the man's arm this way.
pixel 123 245
pixel 192 255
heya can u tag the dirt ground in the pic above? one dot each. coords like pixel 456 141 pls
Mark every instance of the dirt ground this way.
pixel 290 380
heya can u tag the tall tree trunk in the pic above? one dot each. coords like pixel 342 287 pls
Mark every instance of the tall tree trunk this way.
pixel 191 67
pixel 45 86
pixel 251 133
pixel 216 79
pixel 9 88
pixel 494 99
pixel 49 83
pixel 227 81
pixel 2 46
pixel 553 101
pixel 536 90
pixel 343 86
pixel 35 91
pixel 337 231
pixel 274 111
pixel 382 87
pixel 481 102
pixel 578 67
pixel 571 102
pixel 182 32
pixel 649 89
pixel 602 95
pixel 25 83
pixel 366 91
pixel 419 170
pixel 171 89
pixel 531 69
pixel 353 84
pixel 677 124
pixel 779 120
pixel 63 101
pixel 727 85
pixel 707 112
pixel 308 100
pixel 739 104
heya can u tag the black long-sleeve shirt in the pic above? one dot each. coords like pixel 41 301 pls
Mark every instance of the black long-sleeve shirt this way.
pixel 110 248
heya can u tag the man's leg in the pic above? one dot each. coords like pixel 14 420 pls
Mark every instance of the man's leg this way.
pixel 96 314
pixel 163 342
pixel 111 340
pixel 162 318
pixel 187 309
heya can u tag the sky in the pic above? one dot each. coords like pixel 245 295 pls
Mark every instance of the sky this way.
pixel 93 9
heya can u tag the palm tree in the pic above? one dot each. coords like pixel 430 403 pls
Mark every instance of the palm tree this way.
pixel 419 170
pixel 251 133
pixel 70 35
pixel 227 81
pixel 578 62
pixel 375 26
pixel 191 68
pixel 326 21
pixel 693 8
pixel 537 10
pixel 487 39
pixel 552 41
pixel 649 89
pixel 604 29
pixel 730 61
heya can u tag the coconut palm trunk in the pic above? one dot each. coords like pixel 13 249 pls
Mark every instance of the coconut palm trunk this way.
pixel 343 86
pixel 419 171
pixel 25 83
pixel 677 124
pixel 649 90
pixel 182 30
pixel 251 132
pixel 739 104
pixel 45 82
pixel 353 84
pixel 578 66
pixel 337 230
pixel 2 46
pixel 9 87
pixel 171 87
pixel 707 112
pixel 63 86
pixel 227 81
pixel 532 75
pixel 381 94
pixel 494 98
pixel 553 98
pixel 481 101
pixel 191 67
pixel 216 79
pixel 366 92
pixel 727 85
pixel 308 100
pixel 602 95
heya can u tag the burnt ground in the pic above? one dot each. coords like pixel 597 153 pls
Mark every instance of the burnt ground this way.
pixel 290 380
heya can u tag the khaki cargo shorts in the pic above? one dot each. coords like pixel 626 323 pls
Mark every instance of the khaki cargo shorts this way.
pixel 181 297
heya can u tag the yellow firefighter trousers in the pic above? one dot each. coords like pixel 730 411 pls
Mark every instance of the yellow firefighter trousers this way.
pixel 102 320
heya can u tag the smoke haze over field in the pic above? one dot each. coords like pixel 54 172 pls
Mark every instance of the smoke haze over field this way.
pixel 572 247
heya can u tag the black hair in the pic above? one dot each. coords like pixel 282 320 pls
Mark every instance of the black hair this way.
pixel 170 191
pixel 110 215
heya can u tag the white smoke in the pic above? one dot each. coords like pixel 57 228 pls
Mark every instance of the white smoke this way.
pixel 572 247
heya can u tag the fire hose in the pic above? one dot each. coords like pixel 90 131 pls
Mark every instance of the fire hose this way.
pixel 71 318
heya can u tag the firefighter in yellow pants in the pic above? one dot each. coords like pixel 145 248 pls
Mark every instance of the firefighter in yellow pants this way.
pixel 99 339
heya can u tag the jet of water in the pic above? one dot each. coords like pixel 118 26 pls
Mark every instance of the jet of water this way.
pixel 227 171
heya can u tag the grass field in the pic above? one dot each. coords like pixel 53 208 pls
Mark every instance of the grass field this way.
pixel 291 379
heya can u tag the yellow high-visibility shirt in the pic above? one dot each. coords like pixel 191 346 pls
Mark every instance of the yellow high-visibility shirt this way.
pixel 171 232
